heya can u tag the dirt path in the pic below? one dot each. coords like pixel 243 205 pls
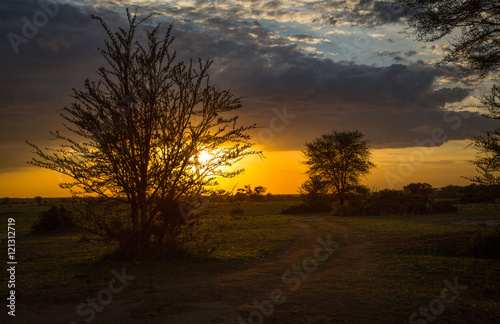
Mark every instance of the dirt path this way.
pixel 302 276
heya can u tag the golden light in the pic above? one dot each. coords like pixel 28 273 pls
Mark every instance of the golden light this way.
pixel 204 157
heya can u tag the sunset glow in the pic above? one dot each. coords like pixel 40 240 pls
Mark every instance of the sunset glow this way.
pixel 282 173
pixel 204 157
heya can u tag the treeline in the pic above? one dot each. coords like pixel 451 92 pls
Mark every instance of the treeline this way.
pixel 414 199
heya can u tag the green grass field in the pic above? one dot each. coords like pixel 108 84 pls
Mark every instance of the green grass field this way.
pixel 56 264
pixel 420 252
pixel 414 255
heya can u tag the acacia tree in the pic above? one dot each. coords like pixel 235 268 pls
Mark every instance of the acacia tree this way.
pixel 473 24
pixel 314 190
pixel 133 138
pixel 487 161
pixel 475 28
pixel 339 158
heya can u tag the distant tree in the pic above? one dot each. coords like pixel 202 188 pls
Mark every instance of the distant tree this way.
pixel 222 194
pixel 339 158
pixel 314 190
pixel 475 29
pixel 259 190
pixel 258 193
pixel 419 197
pixel 5 200
pixel 248 190
pixel 419 189
pixel 136 135
pixel 38 200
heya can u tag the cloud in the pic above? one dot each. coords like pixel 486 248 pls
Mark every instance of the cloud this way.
pixel 323 81
pixel 366 13
pixel 393 105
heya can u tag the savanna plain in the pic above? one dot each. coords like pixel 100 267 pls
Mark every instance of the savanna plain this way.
pixel 268 268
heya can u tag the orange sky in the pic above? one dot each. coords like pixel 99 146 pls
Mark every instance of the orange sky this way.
pixel 281 172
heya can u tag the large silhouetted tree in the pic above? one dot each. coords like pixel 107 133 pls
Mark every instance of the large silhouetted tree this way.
pixel 473 29
pixel 487 161
pixel 339 158
pixel 133 137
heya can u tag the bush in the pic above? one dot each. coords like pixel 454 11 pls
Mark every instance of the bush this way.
pixel 485 245
pixel 304 208
pixel 391 202
pixel 295 209
pixel 443 207
pixel 351 208
pixel 475 194
pixel 55 218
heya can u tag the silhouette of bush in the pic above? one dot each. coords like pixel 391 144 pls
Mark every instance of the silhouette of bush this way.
pixel 443 207
pixel 55 218
pixel 355 207
pixel 295 209
pixel 387 202
pixel 304 208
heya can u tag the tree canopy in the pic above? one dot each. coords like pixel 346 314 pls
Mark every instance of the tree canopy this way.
pixel 339 158
pixel 473 27
pixel 135 136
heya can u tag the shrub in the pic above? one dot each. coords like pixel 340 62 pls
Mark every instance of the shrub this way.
pixel 304 208
pixel 351 208
pixel 387 201
pixel 443 207
pixel 301 208
pixel 55 218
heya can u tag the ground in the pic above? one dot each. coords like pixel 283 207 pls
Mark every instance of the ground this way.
pixel 326 269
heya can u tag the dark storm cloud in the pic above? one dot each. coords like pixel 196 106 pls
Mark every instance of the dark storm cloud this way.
pixel 62 50
pixel 37 80
pixel 392 105
pixel 384 129
pixel 411 53
pixel 367 13
pixel 322 81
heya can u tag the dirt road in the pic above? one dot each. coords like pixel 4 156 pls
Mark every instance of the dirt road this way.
pixel 312 281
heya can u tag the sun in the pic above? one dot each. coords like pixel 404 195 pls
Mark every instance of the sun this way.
pixel 204 157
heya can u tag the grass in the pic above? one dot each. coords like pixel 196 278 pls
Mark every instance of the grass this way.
pixel 60 266
pixel 420 252
pixel 414 255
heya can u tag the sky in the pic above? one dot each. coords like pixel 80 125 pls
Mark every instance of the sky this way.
pixel 303 68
